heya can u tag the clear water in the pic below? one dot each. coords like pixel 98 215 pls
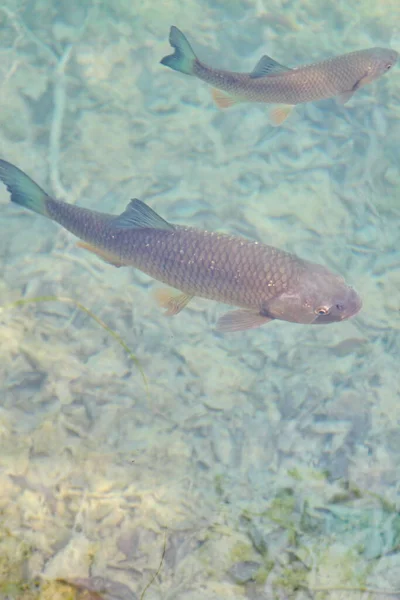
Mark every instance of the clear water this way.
pixel 257 465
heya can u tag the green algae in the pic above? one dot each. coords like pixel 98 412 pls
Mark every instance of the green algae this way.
pixel 282 509
pixel 155 575
pixel 13 558
pixel 241 552
pixel 56 590
pixel 37 590
pixel 82 308
pixel 219 484
pixel 292 579
pixel 263 572
pixel 15 584
pixel 338 544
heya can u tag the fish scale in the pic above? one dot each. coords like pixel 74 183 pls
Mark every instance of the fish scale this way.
pixel 182 257
pixel 273 83
pixel 316 81
pixel 199 263
pixel 264 282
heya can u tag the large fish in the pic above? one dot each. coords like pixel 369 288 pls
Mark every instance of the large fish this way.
pixel 264 282
pixel 273 83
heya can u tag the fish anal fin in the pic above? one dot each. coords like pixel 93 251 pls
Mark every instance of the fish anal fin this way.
pixel 172 301
pixel 138 215
pixel 345 97
pixel 108 257
pixel 267 66
pixel 241 320
pixel 279 114
pixel 223 99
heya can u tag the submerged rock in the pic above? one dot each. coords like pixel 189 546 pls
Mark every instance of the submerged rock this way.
pixel 244 571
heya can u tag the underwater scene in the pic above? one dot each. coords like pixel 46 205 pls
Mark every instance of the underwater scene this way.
pixel 199 299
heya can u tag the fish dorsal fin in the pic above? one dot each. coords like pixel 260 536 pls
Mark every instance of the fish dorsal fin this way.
pixel 267 66
pixel 138 215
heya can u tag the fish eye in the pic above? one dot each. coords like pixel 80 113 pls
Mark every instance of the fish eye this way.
pixel 321 311
pixel 389 66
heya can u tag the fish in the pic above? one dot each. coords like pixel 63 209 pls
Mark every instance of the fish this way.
pixel 273 83
pixel 261 281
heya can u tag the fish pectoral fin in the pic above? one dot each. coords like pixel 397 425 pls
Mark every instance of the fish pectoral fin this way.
pixel 279 114
pixel 223 99
pixel 364 80
pixel 108 257
pixel 267 66
pixel 345 97
pixel 240 320
pixel 170 300
pixel 138 215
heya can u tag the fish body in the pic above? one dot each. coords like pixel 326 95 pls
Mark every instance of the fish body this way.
pixel 273 83
pixel 265 283
pixel 318 81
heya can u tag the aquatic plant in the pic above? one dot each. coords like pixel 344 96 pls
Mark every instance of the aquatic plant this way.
pixel 14 585
pixel 81 307
pixel 13 556
pixel 301 545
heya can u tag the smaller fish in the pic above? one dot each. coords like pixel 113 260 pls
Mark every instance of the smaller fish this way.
pixel 273 83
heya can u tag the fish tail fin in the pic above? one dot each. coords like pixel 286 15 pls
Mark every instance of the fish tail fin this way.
pixel 23 189
pixel 183 58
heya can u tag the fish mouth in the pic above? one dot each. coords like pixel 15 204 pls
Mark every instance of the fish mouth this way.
pixel 353 305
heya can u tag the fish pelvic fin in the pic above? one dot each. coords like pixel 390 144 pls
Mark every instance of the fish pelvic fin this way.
pixel 345 97
pixel 171 301
pixel 108 257
pixel 241 320
pixel 279 114
pixel 183 57
pixel 138 215
pixel 223 99
pixel 24 191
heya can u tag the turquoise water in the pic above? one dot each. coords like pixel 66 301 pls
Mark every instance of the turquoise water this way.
pixel 259 465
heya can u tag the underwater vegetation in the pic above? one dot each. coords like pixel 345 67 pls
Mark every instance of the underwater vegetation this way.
pixel 81 307
pixel 289 547
pixel 14 585
pixel 264 466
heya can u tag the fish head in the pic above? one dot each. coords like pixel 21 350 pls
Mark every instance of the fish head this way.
pixel 378 62
pixel 318 297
